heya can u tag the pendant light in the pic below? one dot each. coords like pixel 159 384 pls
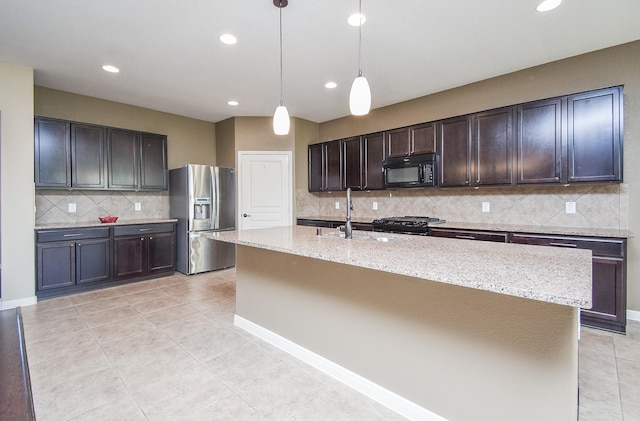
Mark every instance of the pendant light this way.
pixel 360 95
pixel 281 116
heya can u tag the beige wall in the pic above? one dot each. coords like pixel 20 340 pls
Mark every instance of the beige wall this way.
pixel 613 66
pixel 189 141
pixel 16 178
pixel 225 143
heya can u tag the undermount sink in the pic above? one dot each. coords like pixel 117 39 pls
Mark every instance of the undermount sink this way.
pixel 341 235
pixel 387 239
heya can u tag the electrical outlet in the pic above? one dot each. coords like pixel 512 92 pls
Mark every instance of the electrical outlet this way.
pixel 570 207
pixel 137 206
pixel 486 206
pixel 375 206
pixel 72 208
pixel 337 205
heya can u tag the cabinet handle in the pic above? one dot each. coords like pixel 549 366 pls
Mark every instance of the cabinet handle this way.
pixel 141 238
pixel 564 245
pixel 466 237
pixel 144 229
pixel 150 238
pixel 72 235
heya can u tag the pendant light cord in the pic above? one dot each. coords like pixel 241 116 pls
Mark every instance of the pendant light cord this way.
pixel 281 95
pixel 360 38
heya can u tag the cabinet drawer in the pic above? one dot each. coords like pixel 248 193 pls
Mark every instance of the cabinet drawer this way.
pixel 44 236
pixel 142 229
pixel 599 247
pixel 498 237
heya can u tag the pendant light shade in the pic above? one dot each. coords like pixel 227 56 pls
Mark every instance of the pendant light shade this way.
pixel 281 116
pixel 360 95
pixel 281 120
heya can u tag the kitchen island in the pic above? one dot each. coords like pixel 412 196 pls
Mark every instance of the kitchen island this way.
pixel 427 327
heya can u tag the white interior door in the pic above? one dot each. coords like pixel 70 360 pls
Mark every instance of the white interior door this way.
pixel 265 185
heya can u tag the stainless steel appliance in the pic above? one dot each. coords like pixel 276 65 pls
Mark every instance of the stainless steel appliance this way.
pixel 406 224
pixel 203 198
pixel 411 171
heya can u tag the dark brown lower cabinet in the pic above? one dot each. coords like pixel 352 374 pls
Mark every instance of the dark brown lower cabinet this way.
pixel 76 260
pixel 143 250
pixel 609 287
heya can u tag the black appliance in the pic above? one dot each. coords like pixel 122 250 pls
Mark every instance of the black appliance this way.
pixel 411 171
pixel 406 224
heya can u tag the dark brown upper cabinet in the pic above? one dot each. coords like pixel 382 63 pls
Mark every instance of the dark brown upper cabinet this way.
pixel 398 142
pixel 539 142
pixel 352 163
pixel 325 166
pixel 83 156
pixel 136 161
pixel 423 138
pixel 52 153
pixel 87 156
pixel 493 147
pixel 68 155
pixel 315 167
pixel 594 136
pixel 411 140
pixel 454 149
pixel 333 166
pixel 374 154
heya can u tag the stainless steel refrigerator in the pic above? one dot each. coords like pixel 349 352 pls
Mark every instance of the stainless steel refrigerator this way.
pixel 203 198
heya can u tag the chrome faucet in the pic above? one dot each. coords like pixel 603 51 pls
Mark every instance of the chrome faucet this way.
pixel 347 226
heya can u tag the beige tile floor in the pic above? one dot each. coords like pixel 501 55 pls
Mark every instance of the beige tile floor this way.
pixel 167 349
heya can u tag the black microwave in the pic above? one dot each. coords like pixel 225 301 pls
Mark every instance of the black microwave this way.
pixel 411 171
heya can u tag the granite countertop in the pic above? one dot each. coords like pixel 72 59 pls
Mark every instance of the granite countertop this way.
pixel 549 274
pixel 531 229
pixel 86 224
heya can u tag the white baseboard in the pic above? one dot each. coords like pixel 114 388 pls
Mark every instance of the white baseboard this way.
pixel 385 397
pixel 633 315
pixel 22 302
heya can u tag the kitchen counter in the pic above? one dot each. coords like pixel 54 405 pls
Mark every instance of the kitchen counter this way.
pixel 421 323
pixel 531 229
pixel 553 275
pixel 85 224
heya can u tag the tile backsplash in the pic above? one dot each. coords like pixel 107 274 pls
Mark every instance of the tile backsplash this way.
pixel 601 206
pixel 52 206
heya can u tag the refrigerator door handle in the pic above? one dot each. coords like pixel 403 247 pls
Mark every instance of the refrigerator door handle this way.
pixel 215 198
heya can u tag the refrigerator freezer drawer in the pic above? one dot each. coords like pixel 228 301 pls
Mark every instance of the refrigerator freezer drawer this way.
pixel 206 254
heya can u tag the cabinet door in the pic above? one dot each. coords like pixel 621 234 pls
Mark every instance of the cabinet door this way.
pixel 129 256
pixel 161 252
pixel 423 138
pixel 333 166
pixel 398 142
pixel 315 167
pixel 56 265
pixel 454 149
pixel 539 142
pixel 93 261
pixel 609 295
pixel 352 163
pixel 52 153
pixel 594 136
pixel 153 162
pixel 374 154
pixel 493 147
pixel 87 156
pixel 123 160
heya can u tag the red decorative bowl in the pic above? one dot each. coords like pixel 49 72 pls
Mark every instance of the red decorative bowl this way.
pixel 108 219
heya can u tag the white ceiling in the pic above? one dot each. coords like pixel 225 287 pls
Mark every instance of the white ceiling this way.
pixel 171 59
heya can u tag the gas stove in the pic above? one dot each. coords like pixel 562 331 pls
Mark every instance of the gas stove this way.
pixel 406 224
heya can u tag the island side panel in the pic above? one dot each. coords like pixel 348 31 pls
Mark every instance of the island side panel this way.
pixel 463 354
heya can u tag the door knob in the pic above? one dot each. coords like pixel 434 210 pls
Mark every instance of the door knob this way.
pixel 245 215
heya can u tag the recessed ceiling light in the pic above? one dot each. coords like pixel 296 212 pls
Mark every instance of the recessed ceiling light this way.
pixel 330 85
pixel 356 19
pixel 233 103
pixel 228 39
pixel 547 5
pixel 111 69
